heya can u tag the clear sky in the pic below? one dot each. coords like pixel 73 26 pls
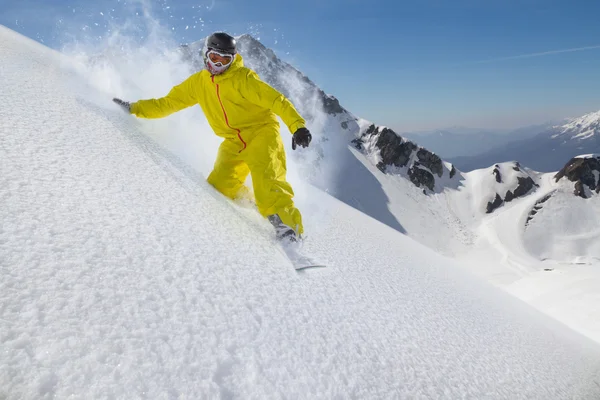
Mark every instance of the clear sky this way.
pixel 411 65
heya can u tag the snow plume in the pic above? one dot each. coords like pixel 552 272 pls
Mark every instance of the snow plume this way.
pixel 306 165
pixel 139 58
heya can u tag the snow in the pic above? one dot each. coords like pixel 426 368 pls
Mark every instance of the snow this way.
pixel 124 275
pixel 543 254
pixel 591 155
pixel 581 128
pixel 483 185
pixel 566 292
pixel 565 229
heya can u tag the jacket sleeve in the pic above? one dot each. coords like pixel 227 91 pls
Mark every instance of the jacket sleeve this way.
pixel 180 97
pixel 262 94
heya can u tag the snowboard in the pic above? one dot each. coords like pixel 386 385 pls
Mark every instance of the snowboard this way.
pixel 299 260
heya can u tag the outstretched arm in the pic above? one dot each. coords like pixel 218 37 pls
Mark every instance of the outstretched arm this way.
pixel 180 97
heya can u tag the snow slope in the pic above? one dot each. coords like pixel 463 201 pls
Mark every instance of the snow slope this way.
pixel 542 248
pixel 566 228
pixel 124 275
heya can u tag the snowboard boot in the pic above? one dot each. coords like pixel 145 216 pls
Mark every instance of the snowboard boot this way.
pixel 282 231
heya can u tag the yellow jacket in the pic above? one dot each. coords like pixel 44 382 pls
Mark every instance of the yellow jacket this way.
pixel 235 103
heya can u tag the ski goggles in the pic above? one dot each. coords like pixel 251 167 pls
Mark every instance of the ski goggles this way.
pixel 219 59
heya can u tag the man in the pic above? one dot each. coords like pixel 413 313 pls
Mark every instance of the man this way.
pixel 243 110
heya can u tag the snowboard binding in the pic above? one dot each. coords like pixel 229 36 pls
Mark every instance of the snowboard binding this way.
pixel 282 231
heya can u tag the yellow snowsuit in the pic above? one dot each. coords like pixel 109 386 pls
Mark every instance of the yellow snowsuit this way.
pixel 242 109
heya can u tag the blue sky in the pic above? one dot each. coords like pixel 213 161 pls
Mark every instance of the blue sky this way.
pixel 411 65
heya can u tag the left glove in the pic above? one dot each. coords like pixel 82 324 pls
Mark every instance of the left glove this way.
pixel 301 137
pixel 124 104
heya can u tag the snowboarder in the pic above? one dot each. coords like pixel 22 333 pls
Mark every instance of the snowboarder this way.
pixel 243 110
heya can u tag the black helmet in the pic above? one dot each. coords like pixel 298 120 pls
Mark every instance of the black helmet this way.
pixel 221 42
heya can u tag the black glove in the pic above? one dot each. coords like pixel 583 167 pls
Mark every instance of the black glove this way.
pixel 301 137
pixel 125 104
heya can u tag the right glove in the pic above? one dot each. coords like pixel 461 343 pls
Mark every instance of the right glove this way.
pixel 301 137
pixel 124 104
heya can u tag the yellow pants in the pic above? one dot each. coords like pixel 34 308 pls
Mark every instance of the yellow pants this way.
pixel 263 157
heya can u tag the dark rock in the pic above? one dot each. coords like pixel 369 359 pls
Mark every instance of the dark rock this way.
pixel 581 171
pixel 530 216
pixel 394 150
pixel 524 186
pixel 371 130
pixel 497 173
pixel 420 177
pixel 544 199
pixel 331 104
pixel 509 196
pixel 517 167
pixel 432 161
pixel 358 143
pixel 491 206
pixel 537 207
pixel 579 190
pixel 399 152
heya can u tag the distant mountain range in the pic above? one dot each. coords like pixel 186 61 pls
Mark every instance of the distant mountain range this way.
pixel 545 151
pixel 467 142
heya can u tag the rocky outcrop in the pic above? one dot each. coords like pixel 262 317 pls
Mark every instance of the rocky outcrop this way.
pixel 584 172
pixel 393 150
pixel 452 171
pixel 497 173
pixel 492 205
pixel 537 207
pixel 358 143
pixel 431 161
pixel 422 166
pixel 421 177
pixel 524 185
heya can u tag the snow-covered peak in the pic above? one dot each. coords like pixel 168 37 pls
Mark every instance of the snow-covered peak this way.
pixel 499 184
pixel 584 170
pixel 591 155
pixel 581 128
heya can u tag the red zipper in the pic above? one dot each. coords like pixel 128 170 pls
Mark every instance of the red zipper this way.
pixel 227 119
